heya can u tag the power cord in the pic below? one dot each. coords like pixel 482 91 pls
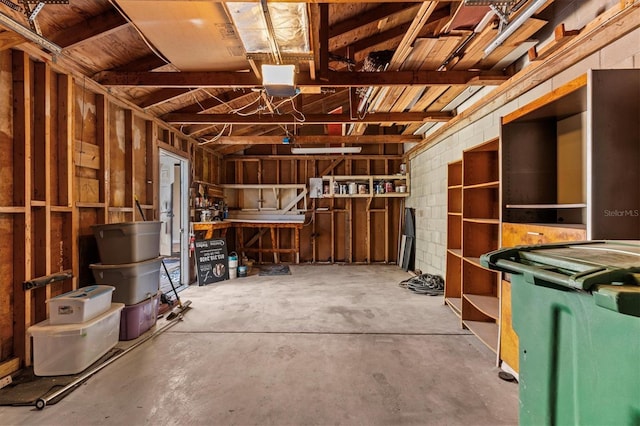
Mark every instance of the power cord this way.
pixel 432 285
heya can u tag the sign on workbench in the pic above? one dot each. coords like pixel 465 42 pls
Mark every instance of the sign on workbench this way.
pixel 211 260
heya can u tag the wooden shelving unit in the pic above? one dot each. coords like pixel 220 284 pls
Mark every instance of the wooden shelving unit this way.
pixel 365 228
pixel 564 153
pixel 367 182
pixel 473 228
pixel 548 192
pixel 453 279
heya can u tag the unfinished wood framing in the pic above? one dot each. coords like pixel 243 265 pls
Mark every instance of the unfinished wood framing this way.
pixel 70 158
pixel 351 229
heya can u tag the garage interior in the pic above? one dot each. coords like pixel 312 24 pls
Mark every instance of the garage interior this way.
pixel 414 138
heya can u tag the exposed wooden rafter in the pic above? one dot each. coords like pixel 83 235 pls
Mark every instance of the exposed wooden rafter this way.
pixel 96 26
pixel 145 63
pixel 372 16
pixel 161 96
pixel 10 39
pixel 335 79
pixel 260 119
pixel 316 140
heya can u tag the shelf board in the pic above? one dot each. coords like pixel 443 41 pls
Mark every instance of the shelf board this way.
pixel 546 206
pixel 488 305
pixel 61 209
pixel 201 182
pixel 455 214
pixel 348 177
pixel 389 177
pixel 560 225
pixel 263 186
pixel 121 209
pixel 455 303
pixel 385 195
pixel 455 251
pixel 89 205
pixel 392 195
pixel 352 195
pixel 482 220
pixel 364 177
pixel 475 261
pixel 455 187
pixel 12 209
pixel 485 185
pixel 487 332
pixel 38 203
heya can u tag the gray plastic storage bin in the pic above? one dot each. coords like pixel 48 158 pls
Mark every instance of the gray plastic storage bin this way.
pixel 127 242
pixel 134 282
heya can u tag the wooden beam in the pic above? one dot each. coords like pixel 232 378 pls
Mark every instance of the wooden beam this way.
pixel 561 37
pixel 602 31
pixel 261 119
pixel 10 366
pixel 403 50
pixel 311 157
pixel 369 17
pixel 220 98
pixel 316 140
pixel 379 38
pixel 91 28
pixel 145 63
pixel 22 258
pixel 161 96
pixel 324 42
pixel 230 149
pixel 395 32
pixel 224 79
pixel 9 39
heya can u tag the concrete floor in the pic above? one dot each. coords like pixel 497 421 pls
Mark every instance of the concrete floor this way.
pixel 328 344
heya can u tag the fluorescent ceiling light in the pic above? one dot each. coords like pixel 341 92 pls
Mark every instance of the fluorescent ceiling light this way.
pixel 328 150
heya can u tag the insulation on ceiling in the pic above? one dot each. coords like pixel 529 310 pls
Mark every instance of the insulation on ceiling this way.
pixel 290 25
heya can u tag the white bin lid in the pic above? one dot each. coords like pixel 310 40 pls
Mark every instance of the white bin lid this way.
pixel 84 294
pixel 45 329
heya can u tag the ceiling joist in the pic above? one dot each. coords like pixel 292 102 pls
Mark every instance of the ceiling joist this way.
pixel 223 79
pixel 263 119
pixel 97 26
pixel 316 140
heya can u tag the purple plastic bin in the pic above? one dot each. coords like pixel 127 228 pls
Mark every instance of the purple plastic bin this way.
pixel 138 318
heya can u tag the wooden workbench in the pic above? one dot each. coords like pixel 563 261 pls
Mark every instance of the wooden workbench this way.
pixel 210 227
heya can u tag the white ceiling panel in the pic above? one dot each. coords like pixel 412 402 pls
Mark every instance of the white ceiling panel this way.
pixel 193 35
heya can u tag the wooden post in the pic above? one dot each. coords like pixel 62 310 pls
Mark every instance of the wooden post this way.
pixel 102 137
pixel 129 163
pixel 66 146
pixel 22 92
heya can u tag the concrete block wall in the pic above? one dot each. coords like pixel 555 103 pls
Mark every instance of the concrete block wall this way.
pixel 429 168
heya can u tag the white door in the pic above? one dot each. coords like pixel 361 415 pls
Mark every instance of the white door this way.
pixel 173 208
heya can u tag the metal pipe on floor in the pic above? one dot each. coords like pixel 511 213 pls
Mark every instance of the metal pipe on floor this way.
pixel 42 402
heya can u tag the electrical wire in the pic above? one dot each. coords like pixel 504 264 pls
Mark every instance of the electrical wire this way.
pixel 218 136
pixel 432 285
